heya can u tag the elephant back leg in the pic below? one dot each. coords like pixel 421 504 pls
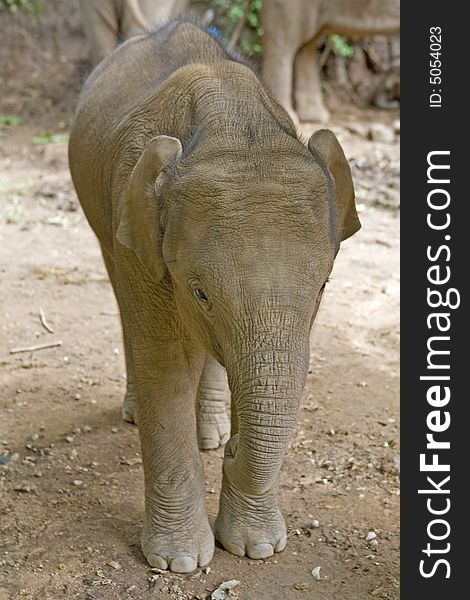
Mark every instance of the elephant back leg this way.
pixel 309 103
pixel 213 425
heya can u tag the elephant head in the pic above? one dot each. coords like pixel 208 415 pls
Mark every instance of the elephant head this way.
pixel 248 237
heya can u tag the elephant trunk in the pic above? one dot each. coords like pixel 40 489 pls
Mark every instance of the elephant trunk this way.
pixel 266 388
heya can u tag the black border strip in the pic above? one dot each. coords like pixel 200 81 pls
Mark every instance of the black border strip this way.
pixel 428 128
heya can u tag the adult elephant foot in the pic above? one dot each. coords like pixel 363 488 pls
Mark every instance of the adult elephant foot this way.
pixel 249 524
pixel 177 536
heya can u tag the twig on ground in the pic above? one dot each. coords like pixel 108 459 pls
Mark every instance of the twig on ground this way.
pixel 44 322
pixel 34 348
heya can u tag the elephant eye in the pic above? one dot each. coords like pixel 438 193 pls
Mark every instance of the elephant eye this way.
pixel 200 295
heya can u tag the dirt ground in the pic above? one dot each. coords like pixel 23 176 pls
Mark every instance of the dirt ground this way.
pixel 71 490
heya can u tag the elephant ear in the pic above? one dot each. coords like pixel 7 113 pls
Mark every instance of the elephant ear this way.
pixel 139 227
pixel 327 151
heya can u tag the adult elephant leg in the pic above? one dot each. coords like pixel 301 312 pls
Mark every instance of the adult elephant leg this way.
pixel 101 26
pixel 158 12
pixel 307 85
pixel 213 426
pixel 167 367
pixel 132 19
pixel 267 388
pixel 287 26
pixel 278 73
pixel 280 44
pixel 129 408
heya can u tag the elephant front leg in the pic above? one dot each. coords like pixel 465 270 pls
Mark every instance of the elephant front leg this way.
pixel 167 364
pixel 249 521
pixel 278 72
pixel 307 85
pixel 213 425
pixel 176 533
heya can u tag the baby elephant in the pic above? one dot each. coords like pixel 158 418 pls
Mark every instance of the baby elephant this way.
pixel 219 229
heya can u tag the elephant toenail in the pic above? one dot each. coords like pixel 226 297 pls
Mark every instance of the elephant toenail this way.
pixel 260 551
pixel 183 564
pixel 234 549
pixel 157 561
pixel 205 559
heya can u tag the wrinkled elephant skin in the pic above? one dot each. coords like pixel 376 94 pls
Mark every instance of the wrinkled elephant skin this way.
pixel 219 229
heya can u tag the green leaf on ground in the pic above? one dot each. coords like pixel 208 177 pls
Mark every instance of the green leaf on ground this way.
pixel 49 137
pixel 13 120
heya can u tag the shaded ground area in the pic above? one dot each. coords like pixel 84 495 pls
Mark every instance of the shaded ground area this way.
pixel 71 493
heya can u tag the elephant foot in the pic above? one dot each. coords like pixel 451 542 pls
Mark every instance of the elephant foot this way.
pixel 179 543
pixel 249 525
pixel 177 552
pixel 129 407
pixel 213 426
pixel 316 113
